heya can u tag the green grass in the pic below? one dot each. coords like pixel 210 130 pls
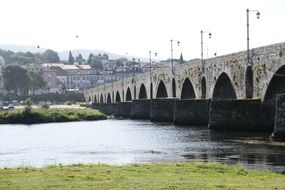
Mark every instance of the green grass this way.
pixel 167 176
pixel 49 115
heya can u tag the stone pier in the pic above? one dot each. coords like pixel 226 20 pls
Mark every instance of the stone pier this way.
pixel 161 110
pixel 140 109
pixel 279 126
pixel 191 112
pixel 107 108
pixel 240 115
pixel 123 109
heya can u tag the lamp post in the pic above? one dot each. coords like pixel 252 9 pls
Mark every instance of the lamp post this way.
pixel 247 27
pixel 202 48
pixel 171 46
pixel 150 73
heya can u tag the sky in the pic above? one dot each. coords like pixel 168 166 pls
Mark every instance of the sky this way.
pixel 135 27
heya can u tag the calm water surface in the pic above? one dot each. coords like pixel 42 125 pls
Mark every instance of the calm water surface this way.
pixel 131 141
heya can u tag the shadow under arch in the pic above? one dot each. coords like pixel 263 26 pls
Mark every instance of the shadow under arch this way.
pixel 173 88
pixel 275 86
pixel 249 82
pixel 203 88
pixel 187 90
pixel 101 98
pixel 128 95
pixel 224 89
pixel 95 99
pixel 161 90
pixel 142 93
pixel 109 100
pixel 118 97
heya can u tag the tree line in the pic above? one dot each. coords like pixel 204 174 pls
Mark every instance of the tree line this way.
pixel 17 79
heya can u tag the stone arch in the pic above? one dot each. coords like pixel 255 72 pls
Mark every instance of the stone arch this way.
pixel 203 88
pixel 142 94
pixel 249 82
pixel 128 95
pixel 173 88
pixel 118 97
pixel 95 99
pixel 101 98
pixel 275 86
pixel 161 90
pixel 109 100
pixel 223 88
pixel 187 90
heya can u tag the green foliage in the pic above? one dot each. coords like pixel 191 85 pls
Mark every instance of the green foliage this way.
pixel 95 61
pixel 36 81
pixel 70 58
pixel 140 176
pixel 50 56
pixel 20 57
pixel 40 115
pixel 15 78
pixel 121 61
pixel 45 106
pixel 80 59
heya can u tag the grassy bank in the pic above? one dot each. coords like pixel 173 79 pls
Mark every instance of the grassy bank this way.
pixel 49 115
pixel 147 176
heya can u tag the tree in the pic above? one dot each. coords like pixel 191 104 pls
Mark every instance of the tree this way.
pixel 36 81
pixel 90 58
pixel 121 61
pixel 181 60
pixel 70 58
pixel 95 61
pixel 50 56
pixel 80 59
pixel 15 78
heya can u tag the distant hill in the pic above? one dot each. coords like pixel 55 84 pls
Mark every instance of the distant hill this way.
pixel 63 55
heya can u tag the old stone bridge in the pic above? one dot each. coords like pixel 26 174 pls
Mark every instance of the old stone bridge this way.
pixel 225 92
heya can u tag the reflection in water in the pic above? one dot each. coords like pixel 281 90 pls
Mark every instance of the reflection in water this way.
pixel 129 141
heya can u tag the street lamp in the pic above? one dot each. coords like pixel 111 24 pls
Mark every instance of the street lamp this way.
pixel 171 45
pixel 150 73
pixel 202 48
pixel 247 27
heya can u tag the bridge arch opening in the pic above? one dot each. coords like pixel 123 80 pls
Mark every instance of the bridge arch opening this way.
pixel 128 95
pixel 161 90
pixel 223 88
pixel 89 99
pixel 101 98
pixel 151 91
pixel 173 88
pixel 135 92
pixel 109 100
pixel 187 90
pixel 118 98
pixel 275 86
pixel 95 99
pixel 203 87
pixel 249 82
pixel 142 94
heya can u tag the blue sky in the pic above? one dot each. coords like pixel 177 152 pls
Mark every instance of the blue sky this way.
pixel 137 26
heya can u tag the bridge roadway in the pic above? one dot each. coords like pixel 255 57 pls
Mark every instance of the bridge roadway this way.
pixel 225 92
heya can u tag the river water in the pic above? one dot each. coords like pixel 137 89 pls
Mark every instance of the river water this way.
pixel 115 141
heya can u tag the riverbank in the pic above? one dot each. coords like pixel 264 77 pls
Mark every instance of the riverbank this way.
pixel 40 115
pixel 146 176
